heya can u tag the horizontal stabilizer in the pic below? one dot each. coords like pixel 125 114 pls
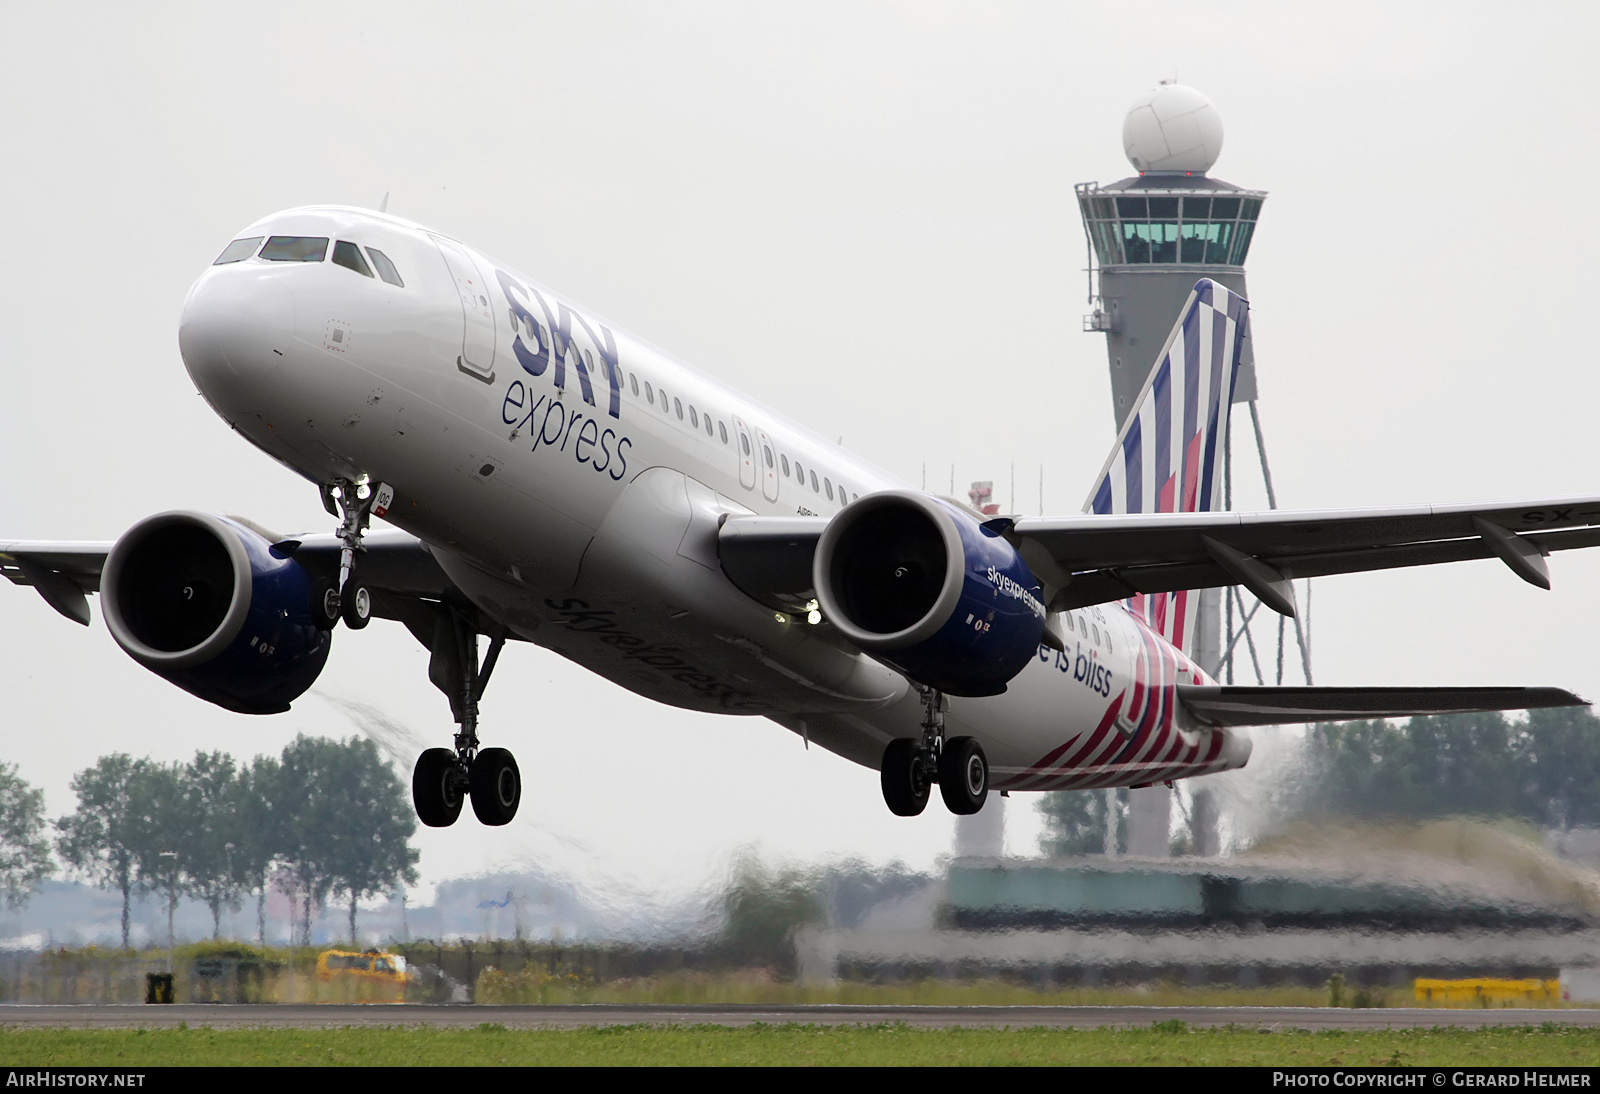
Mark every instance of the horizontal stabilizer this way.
pixel 1244 706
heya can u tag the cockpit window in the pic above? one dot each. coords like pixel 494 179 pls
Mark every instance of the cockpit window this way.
pixel 238 251
pixel 386 268
pixel 348 255
pixel 295 249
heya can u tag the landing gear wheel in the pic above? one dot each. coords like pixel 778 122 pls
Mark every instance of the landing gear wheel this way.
pixel 325 604
pixel 436 788
pixel 496 786
pixel 963 775
pixel 356 605
pixel 905 784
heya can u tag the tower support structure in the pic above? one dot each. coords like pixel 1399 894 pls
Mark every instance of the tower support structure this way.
pixel 1149 238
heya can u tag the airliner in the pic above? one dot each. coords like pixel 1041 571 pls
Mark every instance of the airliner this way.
pixel 540 475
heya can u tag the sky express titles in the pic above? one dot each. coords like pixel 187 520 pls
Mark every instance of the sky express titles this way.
pixel 1085 668
pixel 579 616
pixel 600 448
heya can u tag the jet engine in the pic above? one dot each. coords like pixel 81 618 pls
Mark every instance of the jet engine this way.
pixel 921 585
pixel 215 608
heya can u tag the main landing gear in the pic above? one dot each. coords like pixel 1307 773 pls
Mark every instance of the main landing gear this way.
pixel 910 767
pixel 444 778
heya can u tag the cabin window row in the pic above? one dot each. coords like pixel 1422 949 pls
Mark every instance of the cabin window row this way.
pixel 1082 626
pixel 674 406
pixel 798 472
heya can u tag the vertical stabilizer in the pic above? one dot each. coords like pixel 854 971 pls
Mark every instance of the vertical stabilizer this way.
pixel 1169 456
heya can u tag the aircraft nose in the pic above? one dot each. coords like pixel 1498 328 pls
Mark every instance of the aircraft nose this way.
pixel 236 328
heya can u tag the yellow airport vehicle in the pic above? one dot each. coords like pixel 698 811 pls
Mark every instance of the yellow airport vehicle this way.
pixel 1486 993
pixel 365 977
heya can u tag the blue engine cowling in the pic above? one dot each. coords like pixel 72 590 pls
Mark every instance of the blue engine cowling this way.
pixel 205 603
pixel 921 585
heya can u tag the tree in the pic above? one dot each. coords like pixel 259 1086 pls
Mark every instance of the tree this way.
pixel 24 849
pixel 98 839
pixel 307 815
pixel 1545 770
pixel 1075 821
pixel 208 823
pixel 264 832
pixel 1561 779
pixel 375 854
pixel 159 831
pixel 349 821
pixel 764 908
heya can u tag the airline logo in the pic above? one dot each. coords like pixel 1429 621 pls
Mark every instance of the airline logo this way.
pixel 554 343
pixel 553 347
pixel 1008 587
pixel 1170 454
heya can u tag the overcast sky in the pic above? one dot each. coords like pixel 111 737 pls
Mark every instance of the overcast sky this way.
pixel 860 213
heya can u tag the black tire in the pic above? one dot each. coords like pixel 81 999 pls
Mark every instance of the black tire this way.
pixel 436 788
pixel 356 605
pixel 496 786
pixel 963 776
pixel 905 784
pixel 323 611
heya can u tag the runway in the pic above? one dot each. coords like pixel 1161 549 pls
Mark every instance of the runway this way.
pixel 305 1016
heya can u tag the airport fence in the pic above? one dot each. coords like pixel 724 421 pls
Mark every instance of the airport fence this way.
pixel 449 972
pixel 90 976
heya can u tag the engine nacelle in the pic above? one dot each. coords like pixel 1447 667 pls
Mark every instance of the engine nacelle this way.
pixel 204 602
pixel 922 586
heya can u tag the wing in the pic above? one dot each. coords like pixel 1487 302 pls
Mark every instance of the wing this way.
pixel 1092 559
pixel 62 572
pixel 398 568
pixel 1242 706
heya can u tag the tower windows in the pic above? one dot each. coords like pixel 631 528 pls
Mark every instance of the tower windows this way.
pixel 1159 226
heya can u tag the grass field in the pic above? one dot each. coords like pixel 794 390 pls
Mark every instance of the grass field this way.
pixel 1166 1043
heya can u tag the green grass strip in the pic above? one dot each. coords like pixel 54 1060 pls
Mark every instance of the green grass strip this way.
pixel 1166 1043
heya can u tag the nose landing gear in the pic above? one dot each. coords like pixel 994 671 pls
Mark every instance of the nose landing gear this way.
pixel 355 504
pixel 911 766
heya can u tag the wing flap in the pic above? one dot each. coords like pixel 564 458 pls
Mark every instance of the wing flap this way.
pixel 769 558
pixel 1226 705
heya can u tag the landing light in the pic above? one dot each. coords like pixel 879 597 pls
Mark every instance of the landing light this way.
pixel 813 616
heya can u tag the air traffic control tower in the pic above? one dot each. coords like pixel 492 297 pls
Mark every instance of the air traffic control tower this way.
pixel 1152 236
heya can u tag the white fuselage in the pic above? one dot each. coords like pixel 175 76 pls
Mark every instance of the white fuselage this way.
pixel 570 479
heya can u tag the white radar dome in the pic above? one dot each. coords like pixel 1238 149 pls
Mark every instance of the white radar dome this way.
pixel 1172 128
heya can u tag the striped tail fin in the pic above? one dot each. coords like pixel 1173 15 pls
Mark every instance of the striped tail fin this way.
pixel 1169 456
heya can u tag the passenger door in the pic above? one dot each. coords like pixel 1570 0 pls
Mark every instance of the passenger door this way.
pixel 747 454
pixel 477 340
pixel 769 466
